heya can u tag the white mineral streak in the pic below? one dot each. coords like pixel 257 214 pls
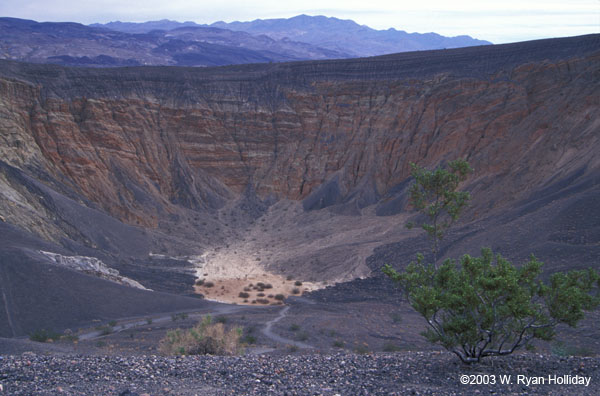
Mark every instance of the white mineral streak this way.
pixel 92 266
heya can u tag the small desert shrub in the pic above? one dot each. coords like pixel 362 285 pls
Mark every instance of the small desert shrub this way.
pixel 206 338
pixel 179 316
pixel 249 339
pixel 338 344
pixel 260 295
pixel 279 297
pixel 262 301
pixel 302 336
pixel 295 290
pixel 260 284
pixel 361 349
pixel 559 348
pixel 298 283
pixel 112 323
pixel 292 348
pixel 396 317
pixel 209 284
pixel 243 295
pixel 247 289
pixel 44 335
pixel 149 320
pixel 221 319
pixel 289 277
pixel 391 347
pixel 268 286
pixel 294 327
pixel 199 282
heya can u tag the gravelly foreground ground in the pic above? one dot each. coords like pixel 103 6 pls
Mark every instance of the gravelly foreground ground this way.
pixel 423 373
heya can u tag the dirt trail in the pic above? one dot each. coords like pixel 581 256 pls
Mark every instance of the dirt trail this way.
pixel 126 324
pixel 221 309
pixel 267 330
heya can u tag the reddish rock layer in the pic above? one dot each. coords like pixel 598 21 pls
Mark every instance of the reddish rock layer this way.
pixel 138 157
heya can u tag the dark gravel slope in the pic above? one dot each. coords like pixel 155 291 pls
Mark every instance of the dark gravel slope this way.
pixel 341 374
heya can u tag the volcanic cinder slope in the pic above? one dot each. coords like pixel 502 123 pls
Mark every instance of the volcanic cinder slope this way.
pixel 297 169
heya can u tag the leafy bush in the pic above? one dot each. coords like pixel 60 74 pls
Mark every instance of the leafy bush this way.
pixel 209 284
pixel 206 338
pixel 479 307
pixel 297 283
pixel 482 308
pixel 279 297
pixel 179 316
pixel 294 327
pixel 243 295
pixel 295 290
pixel 434 194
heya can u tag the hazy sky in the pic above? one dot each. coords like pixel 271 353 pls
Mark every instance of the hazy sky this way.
pixel 496 21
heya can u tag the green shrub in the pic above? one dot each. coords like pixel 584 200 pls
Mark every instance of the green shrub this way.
pixel 249 339
pixel 294 327
pixel 302 336
pixel 559 348
pixel 179 316
pixel 338 344
pixel 44 335
pixel 482 308
pixel 391 347
pixel 396 317
pixel 206 338
pixel 361 349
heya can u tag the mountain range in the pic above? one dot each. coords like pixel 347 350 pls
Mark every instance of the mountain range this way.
pixel 188 44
